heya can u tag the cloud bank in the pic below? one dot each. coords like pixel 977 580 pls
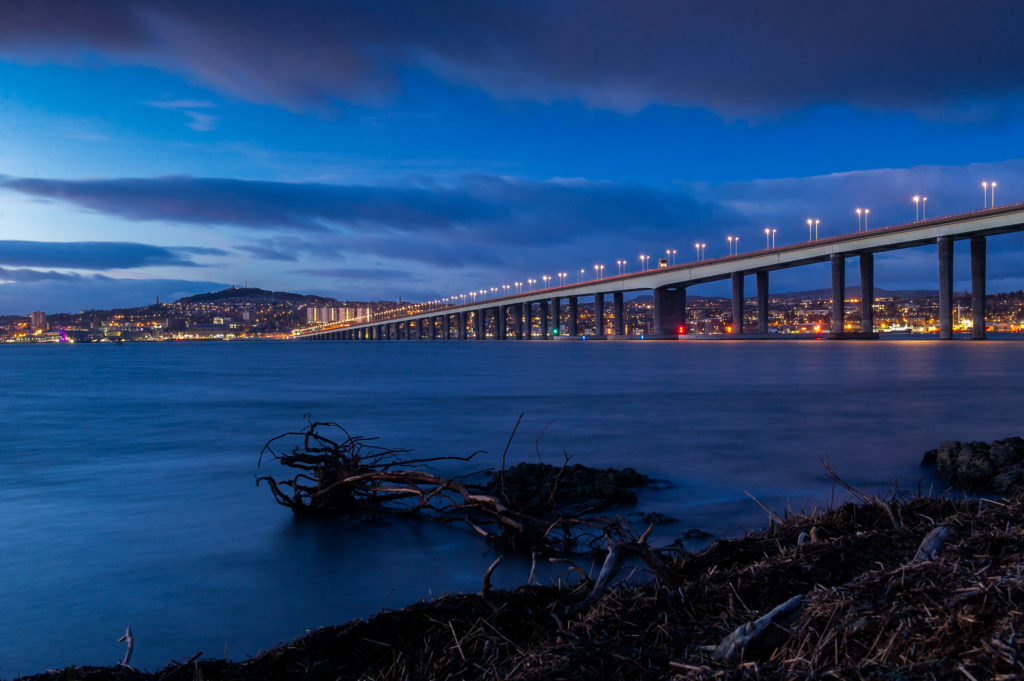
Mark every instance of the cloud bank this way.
pixel 737 57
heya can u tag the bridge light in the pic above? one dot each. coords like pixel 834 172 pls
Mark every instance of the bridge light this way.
pixel 681 329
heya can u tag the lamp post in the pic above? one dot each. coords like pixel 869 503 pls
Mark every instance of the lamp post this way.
pixel 702 247
pixel 768 237
pixel 775 230
pixel 984 193
pixel 519 287
pixel 546 278
pixel 924 207
pixel 580 278
pixel 866 211
pixel 993 195
pixel 697 246
pixel 917 207
pixel 810 229
pixel 816 223
pixel 729 238
pixel 673 256
pixel 858 212
pixel 531 282
pixel 737 245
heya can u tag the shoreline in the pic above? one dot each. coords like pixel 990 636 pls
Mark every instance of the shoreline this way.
pixel 869 609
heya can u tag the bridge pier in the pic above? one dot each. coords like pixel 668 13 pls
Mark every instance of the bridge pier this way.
pixel 433 328
pixel 945 249
pixel 527 320
pixel 556 316
pixel 463 323
pixel 838 293
pixel 867 293
pixel 574 316
pixel 502 322
pixel 544 319
pixel 599 315
pixel 737 303
pixel 478 324
pixel 978 266
pixel 669 311
pixel 618 307
pixel 762 302
pixel 517 320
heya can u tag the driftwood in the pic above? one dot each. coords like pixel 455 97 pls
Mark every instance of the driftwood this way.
pixel 129 642
pixel 761 635
pixel 339 474
pixel 932 544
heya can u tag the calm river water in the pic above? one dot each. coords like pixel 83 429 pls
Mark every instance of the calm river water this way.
pixel 127 490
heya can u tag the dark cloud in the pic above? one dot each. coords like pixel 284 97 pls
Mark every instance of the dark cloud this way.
pixel 486 211
pixel 734 56
pixel 22 291
pixel 97 255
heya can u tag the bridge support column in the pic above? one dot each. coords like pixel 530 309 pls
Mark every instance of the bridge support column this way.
pixel 527 320
pixel 517 320
pixel 737 303
pixel 502 322
pixel 618 307
pixel 544 319
pixel 556 316
pixel 574 316
pixel 463 323
pixel 478 324
pixel 762 302
pixel 978 286
pixel 867 293
pixel 446 326
pixel 669 309
pixel 433 328
pixel 378 332
pixel 945 245
pixel 838 293
pixel 599 315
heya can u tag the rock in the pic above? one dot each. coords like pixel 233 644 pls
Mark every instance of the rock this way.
pixel 998 466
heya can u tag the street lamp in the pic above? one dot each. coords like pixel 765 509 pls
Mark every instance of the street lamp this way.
pixel 531 282
pixel 580 278
pixel 730 244
pixel 619 263
pixel 984 193
pixel 858 212
pixel 546 278
pixel 562 276
pixel 768 236
pixel 993 195
pixel 917 208
pixel 810 229
pixel 773 233
pixel 866 211
pixel 702 247
pixel 924 207
pixel 816 223
pixel 697 246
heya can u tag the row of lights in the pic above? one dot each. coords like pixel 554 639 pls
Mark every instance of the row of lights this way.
pixel 920 213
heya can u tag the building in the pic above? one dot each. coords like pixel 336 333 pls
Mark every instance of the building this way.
pixel 38 320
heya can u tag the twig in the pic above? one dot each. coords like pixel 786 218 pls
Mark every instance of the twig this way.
pixel 487 576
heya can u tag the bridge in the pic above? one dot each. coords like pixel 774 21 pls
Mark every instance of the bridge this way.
pixel 512 316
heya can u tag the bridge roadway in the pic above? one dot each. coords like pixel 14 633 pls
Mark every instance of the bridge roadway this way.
pixel 669 287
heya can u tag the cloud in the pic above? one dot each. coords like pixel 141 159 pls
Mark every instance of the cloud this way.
pixel 737 57
pixel 356 274
pixel 98 255
pixel 481 210
pixel 22 291
pixel 198 120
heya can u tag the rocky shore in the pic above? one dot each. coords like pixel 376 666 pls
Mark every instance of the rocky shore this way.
pixel 885 589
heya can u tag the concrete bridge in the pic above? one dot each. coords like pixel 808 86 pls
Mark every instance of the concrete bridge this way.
pixel 511 316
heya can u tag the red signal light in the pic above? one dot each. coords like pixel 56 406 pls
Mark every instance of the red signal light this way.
pixel 681 330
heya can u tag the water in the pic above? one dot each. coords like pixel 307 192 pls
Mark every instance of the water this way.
pixel 127 490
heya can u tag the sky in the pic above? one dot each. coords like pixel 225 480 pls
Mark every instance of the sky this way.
pixel 384 149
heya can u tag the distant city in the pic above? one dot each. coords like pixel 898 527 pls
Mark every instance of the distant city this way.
pixel 252 313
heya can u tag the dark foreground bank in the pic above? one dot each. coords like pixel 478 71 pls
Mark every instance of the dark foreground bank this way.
pixel 871 608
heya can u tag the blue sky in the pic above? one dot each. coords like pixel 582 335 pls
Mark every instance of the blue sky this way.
pixel 371 150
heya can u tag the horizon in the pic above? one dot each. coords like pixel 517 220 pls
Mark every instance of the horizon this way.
pixel 368 153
